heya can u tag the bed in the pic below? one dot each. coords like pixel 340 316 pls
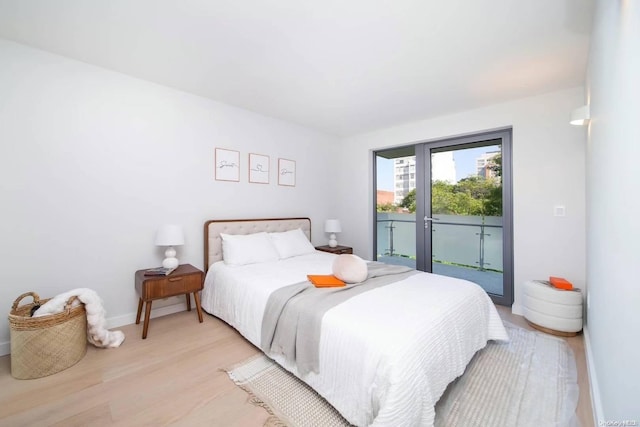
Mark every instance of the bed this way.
pixel 385 355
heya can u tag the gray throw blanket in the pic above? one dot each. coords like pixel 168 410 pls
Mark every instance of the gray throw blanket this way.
pixel 292 319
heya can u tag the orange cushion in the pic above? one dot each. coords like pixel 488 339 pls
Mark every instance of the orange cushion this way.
pixel 324 281
pixel 560 283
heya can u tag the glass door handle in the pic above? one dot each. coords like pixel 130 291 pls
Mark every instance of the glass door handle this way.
pixel 427 220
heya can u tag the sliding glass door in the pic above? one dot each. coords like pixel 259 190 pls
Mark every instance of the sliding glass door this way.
pixel 449 210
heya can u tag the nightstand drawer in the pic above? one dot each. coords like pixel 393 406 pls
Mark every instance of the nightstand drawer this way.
pixel 338 250
pixel 170 286
pixel 344 251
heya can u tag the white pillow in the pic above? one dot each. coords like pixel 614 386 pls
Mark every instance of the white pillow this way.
pixel 241 249
pixel 291 243
pixel 350 268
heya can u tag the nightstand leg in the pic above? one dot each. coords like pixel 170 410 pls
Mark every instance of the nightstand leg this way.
pixel 147 314
pixel 188 302
pixel 196 296
pixel 139 311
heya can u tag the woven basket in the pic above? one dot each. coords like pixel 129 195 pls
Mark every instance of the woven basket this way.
pixel 42 346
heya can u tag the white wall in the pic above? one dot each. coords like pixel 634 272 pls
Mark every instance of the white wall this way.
pixel 613 239
pixel 548 170
pixel 93 162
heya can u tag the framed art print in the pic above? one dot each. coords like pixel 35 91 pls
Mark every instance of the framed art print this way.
pixel 258 168
pixel 227 165
pixel 287 172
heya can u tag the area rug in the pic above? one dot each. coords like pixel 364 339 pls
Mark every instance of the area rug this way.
pixel 530 381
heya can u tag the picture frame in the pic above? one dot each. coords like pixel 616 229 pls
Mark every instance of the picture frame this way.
pixel 227 163
pixel 287 172
pixel 259 168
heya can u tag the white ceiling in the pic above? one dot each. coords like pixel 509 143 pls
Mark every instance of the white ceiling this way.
pixel 341 66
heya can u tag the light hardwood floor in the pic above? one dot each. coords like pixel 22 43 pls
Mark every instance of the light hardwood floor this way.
pixel 173 377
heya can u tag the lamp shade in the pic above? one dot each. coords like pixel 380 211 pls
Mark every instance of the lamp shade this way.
pixel 332 226
pixel 170 235
pixel 580 116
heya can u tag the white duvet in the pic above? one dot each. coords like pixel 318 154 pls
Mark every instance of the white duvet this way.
pixel 387 355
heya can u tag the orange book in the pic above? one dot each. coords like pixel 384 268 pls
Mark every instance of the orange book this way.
pixel 325 281
pixel 560 283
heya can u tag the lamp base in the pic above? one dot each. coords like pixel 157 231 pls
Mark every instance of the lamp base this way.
pixel 170 260
pixel 332 241
pixel 170 263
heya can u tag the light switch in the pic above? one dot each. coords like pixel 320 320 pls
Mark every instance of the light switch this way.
pixel 559 211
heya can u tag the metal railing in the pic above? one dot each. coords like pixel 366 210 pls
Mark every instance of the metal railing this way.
pixel 484 252
pixel 391 227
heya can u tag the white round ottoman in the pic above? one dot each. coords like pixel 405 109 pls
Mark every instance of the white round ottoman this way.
pixel 552 310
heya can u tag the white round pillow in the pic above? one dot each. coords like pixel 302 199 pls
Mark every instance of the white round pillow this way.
pixel 350 268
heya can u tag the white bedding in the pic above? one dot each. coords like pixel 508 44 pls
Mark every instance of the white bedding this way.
pixel 387 355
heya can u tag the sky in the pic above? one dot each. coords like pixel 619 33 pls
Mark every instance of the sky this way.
pixel 465 161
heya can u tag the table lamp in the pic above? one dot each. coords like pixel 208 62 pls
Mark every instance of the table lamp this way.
pixel 332 226
pixel 170 235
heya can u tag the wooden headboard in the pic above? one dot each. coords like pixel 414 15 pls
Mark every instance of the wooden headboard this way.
pixel 213 228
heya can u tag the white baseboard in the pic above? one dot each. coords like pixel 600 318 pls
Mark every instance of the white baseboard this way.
pixel 129 318
pixel 115 322
pixel 5 348
pixel 596 401
pixel 517 309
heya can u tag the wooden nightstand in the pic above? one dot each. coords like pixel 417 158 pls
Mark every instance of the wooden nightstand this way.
pixel 337 250
pixel 186 279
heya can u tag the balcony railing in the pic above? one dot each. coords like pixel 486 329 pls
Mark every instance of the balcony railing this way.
pixel 468 241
